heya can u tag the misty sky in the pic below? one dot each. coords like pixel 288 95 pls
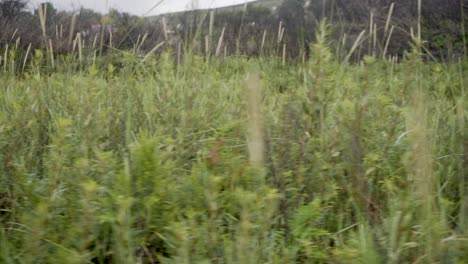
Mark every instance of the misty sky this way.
pixel 139 7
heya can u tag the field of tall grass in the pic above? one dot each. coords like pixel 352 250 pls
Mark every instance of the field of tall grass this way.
pixel 127 158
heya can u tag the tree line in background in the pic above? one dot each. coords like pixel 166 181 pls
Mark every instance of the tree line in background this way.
pixel 268 27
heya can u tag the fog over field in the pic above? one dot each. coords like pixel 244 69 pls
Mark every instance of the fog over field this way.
pixel 141 7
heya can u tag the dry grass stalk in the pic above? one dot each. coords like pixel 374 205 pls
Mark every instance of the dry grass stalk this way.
pixel 145 36
pixel 355 45
pixel 342 44
pixel 212 20
pixel 17 43
pixel 284 54
pixel 80 47
pixel 43 17
pixel 207 46
pixel 110 37
pixel 374 41
pixel 94 56
pixel 14 34
pixel 463 29
pixel 281 35
pixel 26 57
pixel 371 30
pixel 51 50
pixel 389 17
pixel 419 19
pixel 57 36
pixel 5 58
pixel 72 30
pixel 280 32
pixel 74 44
pixel 388 41
pixel 95 41
pixel 152 51
pixel 263 40
pixel 179 51
pixel 220 43
pixel 135 46
pixel 210 34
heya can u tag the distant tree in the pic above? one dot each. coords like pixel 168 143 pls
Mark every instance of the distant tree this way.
pixel 292 14
pixel 128 27
pixel 12 8
pixel 50 13
pixel 47 7
pixel 87 18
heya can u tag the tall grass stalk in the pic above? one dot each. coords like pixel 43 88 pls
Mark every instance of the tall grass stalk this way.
pixel 95 41
pixel 147 56
pixel 42 9
pixel 210 32
pixel 136 44
pixel 5 58
pixel 262 46
pixel 72 30
pixel 280 33
pixel 371 33
pixel 51 51
pixel 220 43
pixel 374 40
pixel 356 44
pixel 463 28
pixel 284 50
pixel 145 36
pixel 389 17
pixel 80 47
pixel 419 21
pixel 111 38
pixel 389 37
pixel 28 50
pixel 13 35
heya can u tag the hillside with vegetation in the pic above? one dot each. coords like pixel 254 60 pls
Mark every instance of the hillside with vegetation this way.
pixel 267 27
pixel 239 135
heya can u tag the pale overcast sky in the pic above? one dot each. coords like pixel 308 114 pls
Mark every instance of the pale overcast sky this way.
pixel 140 7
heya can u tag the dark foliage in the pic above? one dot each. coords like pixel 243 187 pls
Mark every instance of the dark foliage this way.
pixel 12 8
pixel 249 30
